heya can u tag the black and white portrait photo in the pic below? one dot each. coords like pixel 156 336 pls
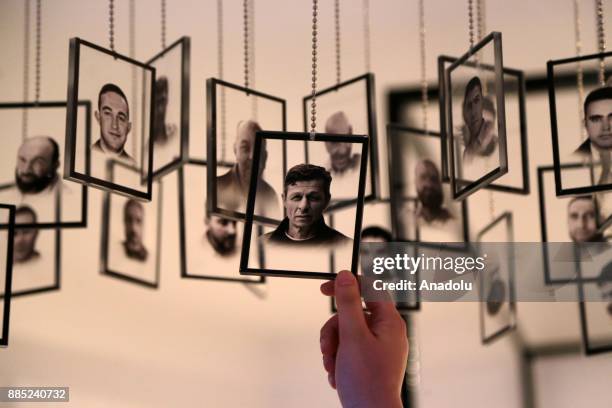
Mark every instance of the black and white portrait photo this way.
pixel 131 232
pixel 170 107
pixel 307 192
pixel 234 115
pixel 36 161
pixel 476 117
pixel 348 108
pixel 210 243
pixel 581 132
pixel 596 312
pixel 121 92
pixel 422 204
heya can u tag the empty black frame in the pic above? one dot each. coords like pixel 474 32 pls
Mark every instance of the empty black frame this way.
pixel 461 192
pixel 8 274
pixel 183 233
pixel 211 147
pixel 589 349
pixel 394 160
pixel 82 223
pixel 507 219
pixel 550 69
pixel 105 228
pixel 369 83
pixel 246 243
pixel 443 62
pixel 71 124
pixel 185 45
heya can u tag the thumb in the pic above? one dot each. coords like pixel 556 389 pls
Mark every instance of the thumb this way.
pixel 351 320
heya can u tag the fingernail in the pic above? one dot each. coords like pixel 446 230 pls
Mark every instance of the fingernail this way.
pixel 345 279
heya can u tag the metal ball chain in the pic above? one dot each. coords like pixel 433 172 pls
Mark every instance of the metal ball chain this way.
pixel 220 74
pixel 38 48
pixel 601 39
pixel 163 24
pixel 424 87
pixel 471 22
pixel 337 28
pixel 313 104
pixel 111 24
pixel 245 9
pixel 26 67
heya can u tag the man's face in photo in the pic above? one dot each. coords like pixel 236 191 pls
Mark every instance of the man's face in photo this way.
pixel 244 149
pixel 36 166
pixel 598 122
pixel 113 117
pixel 133 219
pixel 161 98
pixel 305 202
pixel 223 232
pixel 339 152
pixel 428 184
pixel 472 109
pixel 581 220
pixel 25 238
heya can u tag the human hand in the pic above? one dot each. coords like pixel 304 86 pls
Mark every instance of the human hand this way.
pixel 364 354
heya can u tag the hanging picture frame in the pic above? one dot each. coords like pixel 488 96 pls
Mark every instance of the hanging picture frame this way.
pixel 421 206
pixel 57 203
pixel 171 108
pixel 576 209
pixel 36 256
pixel 517 179
pixel 119 127
pixel 580 136
pixel 483 157
pixel 376 227
pixel 303 233
pixel 7 231
pixel 595 315
pixel 348 107
pixel 209 244
pixel 131 232
pixel 496 282
pixel 235 110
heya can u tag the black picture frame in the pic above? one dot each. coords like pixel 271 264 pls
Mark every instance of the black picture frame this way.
pixel 549 279
pixel 211 147
pixel 185 45
pixel 394 159
pixel 105 228
pixel 551 81
pixel 488 338
pixel 461 192
pixel 301 136
pixel 8 274
pixel 369 82
pixel 587 346
pixel 183 235
pixel 82 223
pixel 71 124
pixel 443 62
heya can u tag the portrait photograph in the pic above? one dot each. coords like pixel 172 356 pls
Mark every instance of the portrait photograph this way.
pixel 421 202
pixel 348 108
pixel 210 243
pixel 582 223
pixel 581 123
pixel 121 95
pixel 517 179
pixel 304 233
pixel 34 152
pixel 496 282
pixel 596 312
pixel 234 115
pixel 170 108
pixel 376 228
pixel 476 118
pixel 35 256
pixel 131 232
pixel 7 217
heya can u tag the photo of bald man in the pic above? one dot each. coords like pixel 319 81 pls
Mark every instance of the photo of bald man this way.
pixel 233 186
